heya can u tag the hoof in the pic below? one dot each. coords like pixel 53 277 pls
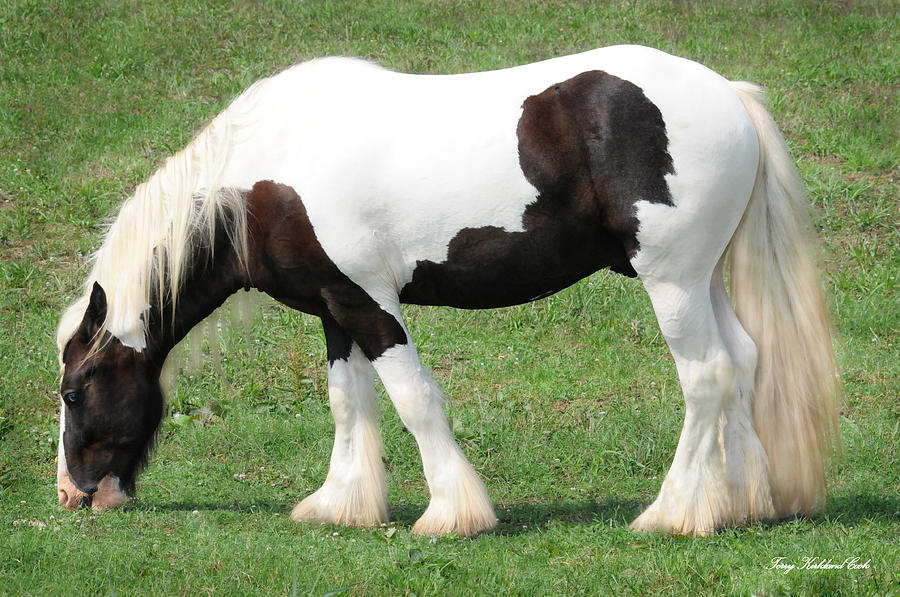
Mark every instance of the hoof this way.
pixel 652 520
pixel 464 517
pixel 327 506
pixel 431 524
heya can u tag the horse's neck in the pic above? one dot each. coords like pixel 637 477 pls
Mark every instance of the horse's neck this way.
pixel 211 280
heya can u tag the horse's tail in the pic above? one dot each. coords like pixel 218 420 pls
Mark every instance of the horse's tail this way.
pixel 778 297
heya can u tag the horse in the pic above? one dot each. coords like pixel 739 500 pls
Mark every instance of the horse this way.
pixel 345 190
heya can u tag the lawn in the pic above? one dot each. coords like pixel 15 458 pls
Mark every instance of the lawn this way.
pixel 568 407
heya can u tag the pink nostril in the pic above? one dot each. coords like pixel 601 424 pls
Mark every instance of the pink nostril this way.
pixel 63 497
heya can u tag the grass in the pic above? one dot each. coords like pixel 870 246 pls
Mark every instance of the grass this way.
pixel 568 407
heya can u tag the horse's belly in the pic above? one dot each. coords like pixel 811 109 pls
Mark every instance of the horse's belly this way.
pixel 489 267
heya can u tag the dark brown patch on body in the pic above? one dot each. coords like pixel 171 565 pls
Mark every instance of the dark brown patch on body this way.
pixel 592 146
pixel 289 264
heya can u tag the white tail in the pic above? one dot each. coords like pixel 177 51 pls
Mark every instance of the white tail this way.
pixel 776 289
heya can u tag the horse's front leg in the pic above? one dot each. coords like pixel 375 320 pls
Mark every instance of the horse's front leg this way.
pixel 459 501
pixel 354 492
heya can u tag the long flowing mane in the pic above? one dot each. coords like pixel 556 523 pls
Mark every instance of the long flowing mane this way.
pixel 148 247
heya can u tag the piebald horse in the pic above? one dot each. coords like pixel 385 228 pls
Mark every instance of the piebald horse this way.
pixel 344 190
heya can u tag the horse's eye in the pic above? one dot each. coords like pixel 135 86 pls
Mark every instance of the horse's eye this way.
pixel 73 398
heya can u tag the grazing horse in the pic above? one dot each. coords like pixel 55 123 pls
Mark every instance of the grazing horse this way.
pixel 343 190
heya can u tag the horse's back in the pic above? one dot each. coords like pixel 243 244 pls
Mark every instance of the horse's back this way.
pixel 395 167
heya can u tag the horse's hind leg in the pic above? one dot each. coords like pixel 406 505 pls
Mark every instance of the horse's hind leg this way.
pixel 746 462
pixel 354 492
pixel 718 475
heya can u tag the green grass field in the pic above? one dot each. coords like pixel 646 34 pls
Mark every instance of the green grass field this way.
pixel 569 407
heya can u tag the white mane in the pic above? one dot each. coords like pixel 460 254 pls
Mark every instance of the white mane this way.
pixel 156 228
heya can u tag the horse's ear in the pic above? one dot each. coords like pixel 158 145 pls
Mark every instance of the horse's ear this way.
pixel 95 314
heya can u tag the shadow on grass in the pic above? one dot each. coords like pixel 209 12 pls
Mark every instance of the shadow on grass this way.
pixel 860 508
pixel 216 506
pixel 522 518
pixel 515 519
pixel 518 519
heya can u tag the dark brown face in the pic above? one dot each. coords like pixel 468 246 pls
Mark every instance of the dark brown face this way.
pixel 113 404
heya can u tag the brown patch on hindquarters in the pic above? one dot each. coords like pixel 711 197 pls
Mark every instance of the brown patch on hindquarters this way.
pixel 592 146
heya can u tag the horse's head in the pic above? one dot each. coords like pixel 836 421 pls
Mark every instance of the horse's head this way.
pixel 113 403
